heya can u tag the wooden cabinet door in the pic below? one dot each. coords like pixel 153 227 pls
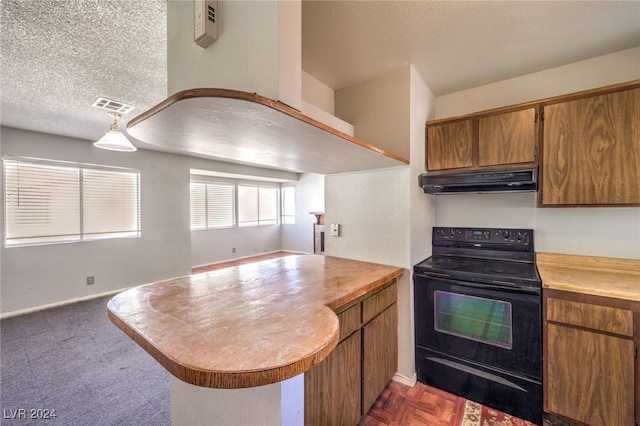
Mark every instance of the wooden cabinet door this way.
pixel 508 138
pixel 450 145
pixel 592 150
pixel 333 387
pixel 380 354
pixel 590 376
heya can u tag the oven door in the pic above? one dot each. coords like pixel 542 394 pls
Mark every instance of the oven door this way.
pixel 482 323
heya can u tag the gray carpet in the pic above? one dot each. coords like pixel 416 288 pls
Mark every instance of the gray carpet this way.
pixel 73 360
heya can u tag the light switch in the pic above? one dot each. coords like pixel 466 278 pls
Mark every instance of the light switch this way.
pixel 335 229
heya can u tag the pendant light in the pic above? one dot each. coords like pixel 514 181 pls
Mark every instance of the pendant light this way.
pixel 114 139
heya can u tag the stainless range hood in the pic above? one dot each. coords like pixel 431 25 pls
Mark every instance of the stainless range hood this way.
pixel 524 180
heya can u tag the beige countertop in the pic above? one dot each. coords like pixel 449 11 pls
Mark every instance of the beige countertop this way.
pixel 248 325
pixel 600 276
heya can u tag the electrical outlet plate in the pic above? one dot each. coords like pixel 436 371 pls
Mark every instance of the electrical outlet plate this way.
pixel 205 22
pixel 90 280
pixel 335 229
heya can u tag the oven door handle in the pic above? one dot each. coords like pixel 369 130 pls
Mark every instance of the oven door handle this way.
pixel 508 287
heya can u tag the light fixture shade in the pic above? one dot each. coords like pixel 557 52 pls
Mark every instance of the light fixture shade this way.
pixel 114 140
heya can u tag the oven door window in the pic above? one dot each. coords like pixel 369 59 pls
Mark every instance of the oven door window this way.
pixel 476 318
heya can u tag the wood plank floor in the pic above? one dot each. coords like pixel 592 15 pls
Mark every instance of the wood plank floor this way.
pixel 243 261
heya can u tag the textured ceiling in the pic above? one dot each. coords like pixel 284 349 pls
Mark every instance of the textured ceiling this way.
pixel 59 55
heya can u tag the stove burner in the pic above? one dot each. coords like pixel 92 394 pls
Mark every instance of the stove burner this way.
pixel 498 260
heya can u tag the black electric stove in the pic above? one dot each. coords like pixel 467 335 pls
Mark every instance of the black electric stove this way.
pixel 478 318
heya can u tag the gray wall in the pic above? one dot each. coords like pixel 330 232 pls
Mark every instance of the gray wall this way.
pixel 41 275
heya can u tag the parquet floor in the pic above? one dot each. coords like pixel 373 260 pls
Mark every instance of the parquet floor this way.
pixel 417 406
pixel 423 405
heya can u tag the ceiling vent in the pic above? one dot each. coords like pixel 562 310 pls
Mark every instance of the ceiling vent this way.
pixel 112 106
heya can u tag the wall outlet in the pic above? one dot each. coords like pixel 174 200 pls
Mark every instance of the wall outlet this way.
pixel 335 229
pixel 233 250
pixel 90 280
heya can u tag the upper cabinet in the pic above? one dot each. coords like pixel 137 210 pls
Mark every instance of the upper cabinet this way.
pixel 589 143
pixel 506 138
pixel 592 150
pixel 450 145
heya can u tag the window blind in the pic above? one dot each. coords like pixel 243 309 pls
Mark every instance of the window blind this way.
pixel 198 205
pixel 220 206
pixel 212 205
pixel 48 201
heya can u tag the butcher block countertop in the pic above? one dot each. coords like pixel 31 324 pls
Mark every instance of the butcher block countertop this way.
pixel 248 325
pixel 600 276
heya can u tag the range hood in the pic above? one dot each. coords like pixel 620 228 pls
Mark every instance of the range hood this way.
pixel 524 180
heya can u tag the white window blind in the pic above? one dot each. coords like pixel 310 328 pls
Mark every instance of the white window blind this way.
pixel 48 201
pixel 212 205
pixel 198 205
pixel 288 204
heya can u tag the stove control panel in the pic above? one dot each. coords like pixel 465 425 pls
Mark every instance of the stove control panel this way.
pixel 475 237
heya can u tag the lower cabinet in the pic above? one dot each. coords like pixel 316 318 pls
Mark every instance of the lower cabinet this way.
pixel 379 355
pixel 332 388
pixel 340 389
pixel 590 365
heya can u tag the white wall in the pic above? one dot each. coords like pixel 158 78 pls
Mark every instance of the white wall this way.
pixel 41 275
pixel 384 215
pixel 216 245
pixel 608 232
pixel 309 198
pixel 372 210
pixel 259 49
pixel 247 42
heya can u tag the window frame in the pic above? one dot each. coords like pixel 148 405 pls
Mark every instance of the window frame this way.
pixel 206 183
pixel 84 209
pixel 259 220
pixel 236 183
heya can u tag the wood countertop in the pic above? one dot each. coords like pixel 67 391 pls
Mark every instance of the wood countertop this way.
pixel 600 276
pixel 248 325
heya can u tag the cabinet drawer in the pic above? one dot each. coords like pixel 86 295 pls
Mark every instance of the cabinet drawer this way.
pixel 596 317
pixel 349 320
pixel 378 302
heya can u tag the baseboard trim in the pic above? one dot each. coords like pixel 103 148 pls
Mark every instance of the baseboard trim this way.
pixel 405 380
pixel 59 304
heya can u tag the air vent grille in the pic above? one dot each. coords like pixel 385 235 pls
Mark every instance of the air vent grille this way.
pixel 112 106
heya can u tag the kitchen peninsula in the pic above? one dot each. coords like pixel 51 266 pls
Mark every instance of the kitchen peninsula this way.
pixel 242 336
